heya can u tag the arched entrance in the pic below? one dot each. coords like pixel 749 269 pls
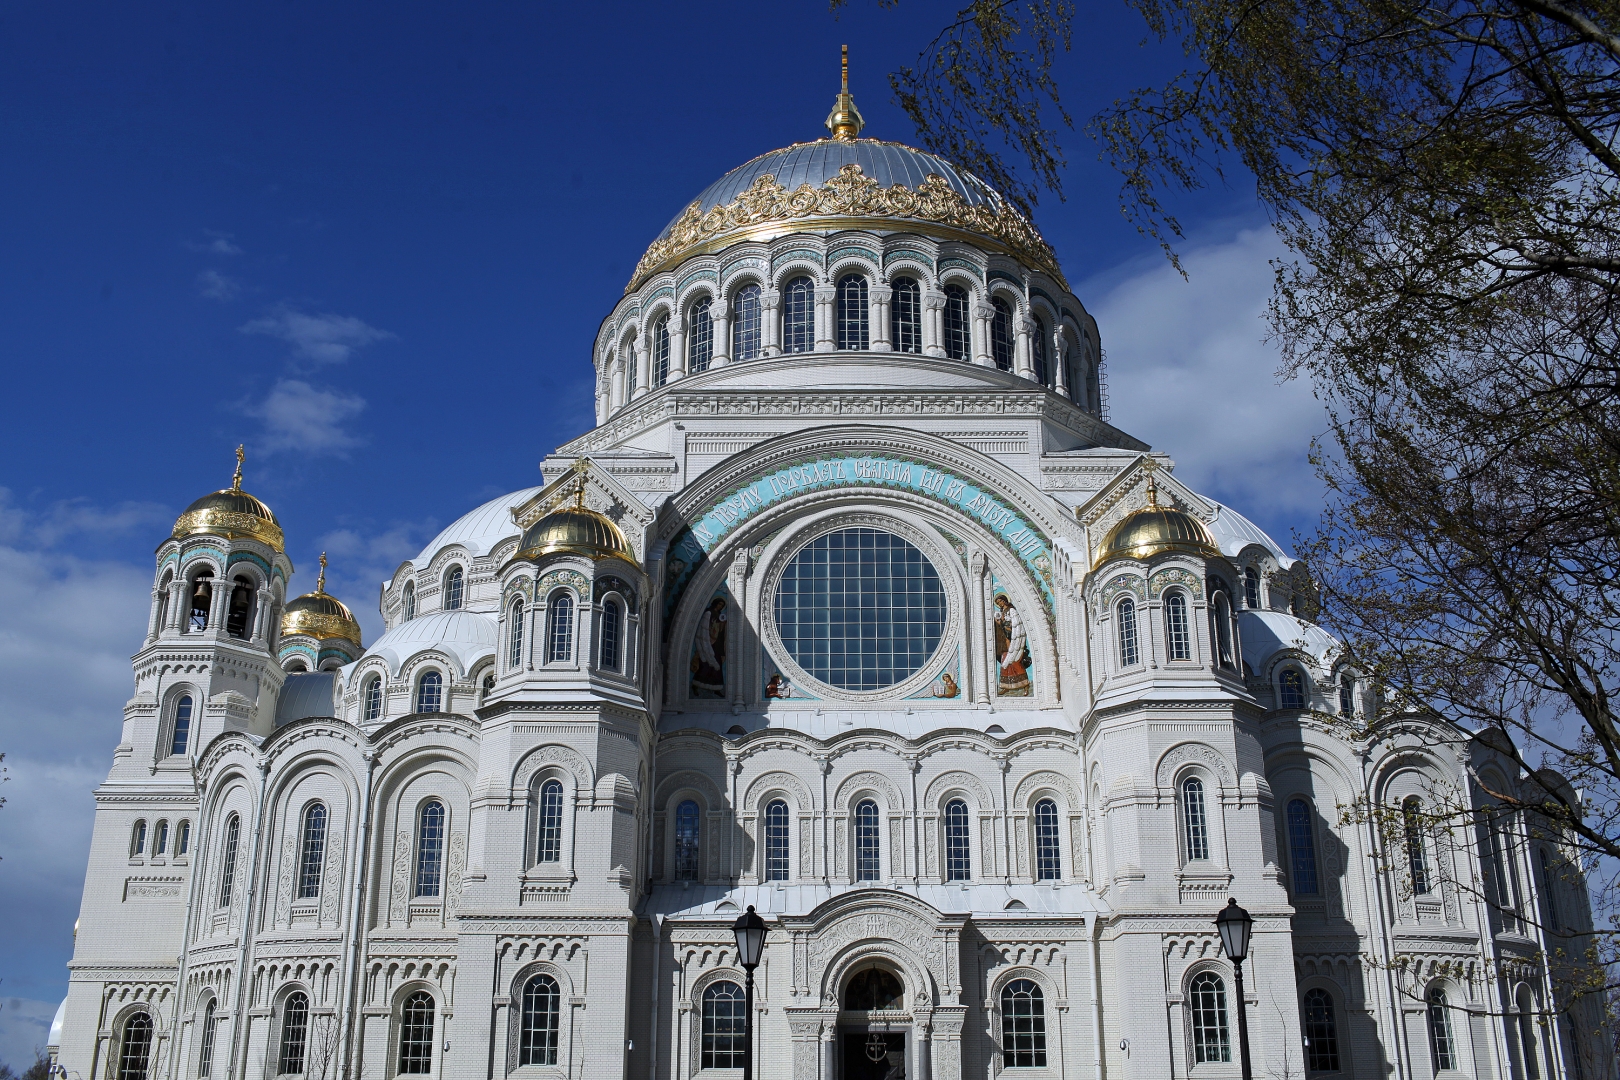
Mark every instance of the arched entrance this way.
pixel 873 1024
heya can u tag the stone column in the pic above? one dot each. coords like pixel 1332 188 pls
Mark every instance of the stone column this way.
pixel 643 364
pixel 770 308
pixel 616 385
pixel 1060 360
pixel 262 630
pixel 154 624
pixel 933 318
pixel 829 1052
pixel 980 674
pixel 982 314
pixel 216 607
pixel 179 604
pixel 677 348
pixel 1022 360
pixel 825 318
pixel 720 313
pixel 878 314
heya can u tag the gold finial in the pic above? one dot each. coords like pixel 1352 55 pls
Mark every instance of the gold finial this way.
pixel 845 120
pixel 320 582
pixel 1150 466
pixel 236 481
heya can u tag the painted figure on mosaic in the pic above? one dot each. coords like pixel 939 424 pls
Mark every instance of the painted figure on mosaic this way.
pixel 778 686
pixel 709 652
pixel 946 687
pixel 1012 649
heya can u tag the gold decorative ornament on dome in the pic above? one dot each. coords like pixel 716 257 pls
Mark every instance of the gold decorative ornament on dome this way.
pixel 1154 529
pixel 845 120
pixel 576 530
pixel 319 615
pixel 233 514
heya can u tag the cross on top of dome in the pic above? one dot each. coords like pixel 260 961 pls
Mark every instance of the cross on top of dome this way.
pixel 845 120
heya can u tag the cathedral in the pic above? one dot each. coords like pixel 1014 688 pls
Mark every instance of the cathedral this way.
pixel 852 609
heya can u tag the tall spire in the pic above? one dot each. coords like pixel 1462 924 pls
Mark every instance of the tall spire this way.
pixel 845 121
pixel 236 481
pixel 320 582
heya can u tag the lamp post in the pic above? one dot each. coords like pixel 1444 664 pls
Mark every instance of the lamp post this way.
pixel 750 933
pixel 1235 924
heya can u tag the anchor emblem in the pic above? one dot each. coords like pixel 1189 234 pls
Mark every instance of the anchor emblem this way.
pixel 876 1047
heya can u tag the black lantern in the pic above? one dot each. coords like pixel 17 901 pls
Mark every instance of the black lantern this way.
pixel 750 933
pixel 1235 924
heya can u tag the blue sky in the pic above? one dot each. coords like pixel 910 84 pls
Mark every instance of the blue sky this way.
pixel 374 242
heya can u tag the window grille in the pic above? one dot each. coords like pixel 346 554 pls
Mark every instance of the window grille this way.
pixel 1207 1000
pixel 905 316
pixel 1048 850
pixel 958 331
pixel 1195 824
pixel 852 313
pixel 867 862
pixel 776 841
pixel 429 848
pixel 1302 847
pixel 135 1053
pixel 799 316
pixel 1023 1025
pixel 746 324
pixel 1321 1032
pixel 542 1016
pixel 182 725
pixel 416 1034
pixel 294 1033
pixel 551 822
pixel 724 1026
pixel 958 863
pixel 1001 334
pixel 313 853
pixel 560 628
pixel 688 837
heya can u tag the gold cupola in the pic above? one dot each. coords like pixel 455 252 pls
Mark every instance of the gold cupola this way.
pixel 1153 530
pixel 577 530
pixel 233 514
pixel 319 615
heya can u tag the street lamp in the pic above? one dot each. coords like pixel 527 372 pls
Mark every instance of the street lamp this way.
pixel 750 932
pixel 1235 924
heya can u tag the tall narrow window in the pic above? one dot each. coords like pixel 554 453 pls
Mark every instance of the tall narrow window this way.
pixel 1505 869
pixel 430 692
pixel 374 698
pixel 746 324
pixel 1251 588
pixel 852 331
pixel 182 726
pixel 514 635
pixel 776 841
pixel 1194 824
pixel 958 864
pixel 1527 1035
pixel 1037 352
pixel 1023 1025
pixel 1093 383
pixel 452 589
pixel 135 1051
pixel 1442 1047
pixel 612 631
pixel 542 1016
pixel 958 332
pixel 1048 851
pixel 410 600
pixel 1001 334
pixel 1321 1031
pixel 1176 636
pixel 1290 689
pixel 799 316
pixel 700 337
pixel 160 838
pixel 905 316
pixel 868 865
pixel 1347 696
pixel 660 352
pixel 416 1035
pixel 560 628
pixel 137 839
pixel 630 365
pixel 1417 858
pixel 429 848
pixel 688 841
pixel 202 599
pixel 1549 891
pixel 1220 617
pixel 210 1029
pixel 182 838
pixel 165 594
pixel 294 1033
pixel 1207 998
pixel 1302 847
pixel 724 1026
pixel 1127 633
pixel 313 856
pixel 549 848
pixel 239 612
pixel 227 859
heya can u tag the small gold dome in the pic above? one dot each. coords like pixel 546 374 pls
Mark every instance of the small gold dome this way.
pixel 578 530
pixel 231 513
pixel 1154 529
pixel 319 615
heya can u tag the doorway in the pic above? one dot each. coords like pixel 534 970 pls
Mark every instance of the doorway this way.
pixel 874 1055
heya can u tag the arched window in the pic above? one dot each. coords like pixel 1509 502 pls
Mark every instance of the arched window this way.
pixel 294 1033
pixel 160 838
pixel 1302 847
pixel 958 864
pixel 182 838
pixel 182 725
pixel 852 331
pixel 905 316
pixel 135 1049
pixel 724 1026
pixel 1417 856
pixel 1037 353
pixel 1206 997
pixel 612 631
pixel 776 841
pixel 660 352
pixel 1194 823
pixel 746 324
pixel 1023 1025
pixel 874 989
pixel 1220 617
pixel 700 337
pixel 374 698
pixel 1176 635
pixel 1128 656
pixel 313 857
pixel 1442 1047
pixel 165 594
pixel 1001 334
pixel 137 839
pixel 1549 890
pixel 799 316
pixel 1048 851
pixel 688 841
pixel 416 1035
pixel 542 1019
pixel 227 859
pixel 429 848
pixel 452 589
pixel 210 1030
pixel 958 331
pixel 560 627
pixel 1321 1031
pixel 1251 587
pixel 514 635
pixel 628 352
pixel 1290 689
pixel 410 600
pixel 549 846
pixel 1347 696
pixel 202 598
pixel 1093 383
pixel 238 613
pixel 430 692
pixel 1527 1035
pixel 868 865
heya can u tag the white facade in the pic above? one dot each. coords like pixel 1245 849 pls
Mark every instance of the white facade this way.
pixel 510 838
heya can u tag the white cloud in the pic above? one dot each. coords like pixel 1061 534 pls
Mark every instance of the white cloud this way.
pixel 216 286
pixel 360 560
pixel 298 416
pixel 217 243
pixel 326 338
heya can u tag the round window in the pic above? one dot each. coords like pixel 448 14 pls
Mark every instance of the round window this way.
pixel 860 609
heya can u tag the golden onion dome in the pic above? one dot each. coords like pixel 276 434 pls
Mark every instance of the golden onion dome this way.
pixel 1154 529
pixel 231 513
pixel 319 615
pixel 578 530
